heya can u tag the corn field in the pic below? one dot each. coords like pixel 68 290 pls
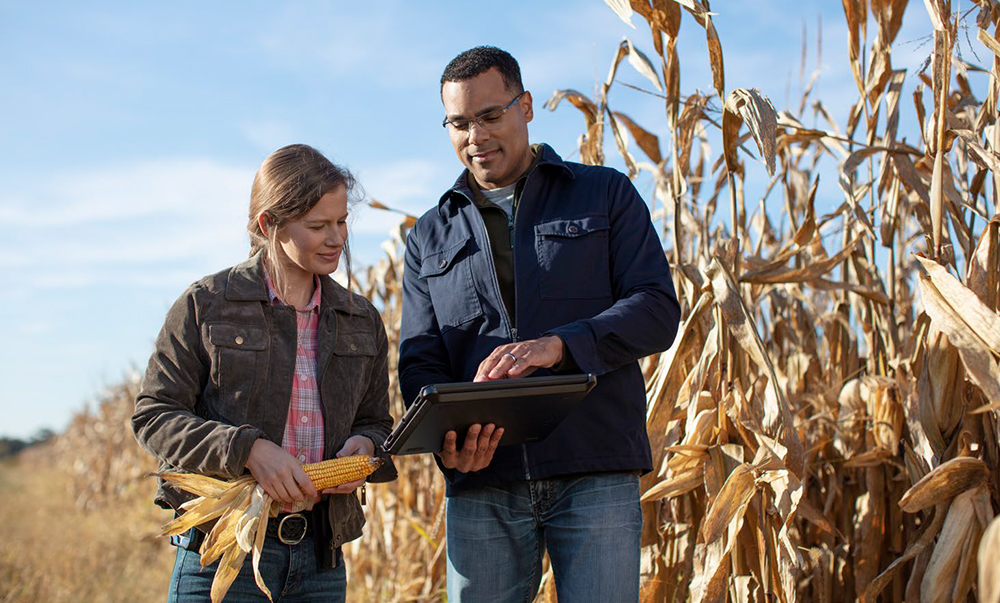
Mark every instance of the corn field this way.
pixel 825 426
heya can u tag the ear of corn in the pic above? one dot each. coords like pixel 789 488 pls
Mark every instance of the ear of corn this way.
pixel 334 472
pixel 242 509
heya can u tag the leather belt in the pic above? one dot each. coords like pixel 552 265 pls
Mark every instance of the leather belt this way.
pixel 289 528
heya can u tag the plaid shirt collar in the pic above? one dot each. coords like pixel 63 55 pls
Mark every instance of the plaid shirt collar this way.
pixel 276 300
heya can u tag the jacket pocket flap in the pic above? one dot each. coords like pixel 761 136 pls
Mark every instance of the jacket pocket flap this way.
pixel 237 336
pixel 354 344
pixel 438 262
pixel 577 227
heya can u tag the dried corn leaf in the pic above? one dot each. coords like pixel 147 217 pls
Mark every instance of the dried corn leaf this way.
pixel 773 273
pixel 697 9
pixel 201 510
pixel 715 59
pixel 623 9
pixel 730 504
pixel 676 485
pixel 580 101
pixel 672 372
pixel 642 64
pixel 777 417
pixel 376 204
pixel 944 482
pixel 989 553
pixel 226 573
pixel 202 485
pixel 951 571
pixel 749 106
pixel 971 326
pixel 258 550
pixel 983 276
pixel 647 141
pixel 925 540
pixel 988 42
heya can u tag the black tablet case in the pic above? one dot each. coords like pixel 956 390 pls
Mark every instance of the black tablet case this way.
pixel 528 409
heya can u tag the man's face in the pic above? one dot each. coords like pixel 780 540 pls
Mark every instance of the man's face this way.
pixel 496 153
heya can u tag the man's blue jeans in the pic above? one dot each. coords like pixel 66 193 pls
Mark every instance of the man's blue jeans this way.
pixel 289 571
pixel 590 525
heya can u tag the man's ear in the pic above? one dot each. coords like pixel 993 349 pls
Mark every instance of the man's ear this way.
pixel 525 102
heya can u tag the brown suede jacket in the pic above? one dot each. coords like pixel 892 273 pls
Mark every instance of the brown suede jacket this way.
pixel 221 377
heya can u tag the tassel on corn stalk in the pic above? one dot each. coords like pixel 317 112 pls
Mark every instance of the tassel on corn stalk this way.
pixel 242 509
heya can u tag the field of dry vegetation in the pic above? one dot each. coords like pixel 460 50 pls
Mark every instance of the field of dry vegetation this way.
pixel 825 427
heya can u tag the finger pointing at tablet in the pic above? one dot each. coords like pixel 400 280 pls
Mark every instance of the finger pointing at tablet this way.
pixel 477 450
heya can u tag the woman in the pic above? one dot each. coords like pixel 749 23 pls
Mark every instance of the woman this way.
pixel 264 367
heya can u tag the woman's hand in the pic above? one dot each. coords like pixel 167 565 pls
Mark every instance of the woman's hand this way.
pixel 354 445
pixel 280 473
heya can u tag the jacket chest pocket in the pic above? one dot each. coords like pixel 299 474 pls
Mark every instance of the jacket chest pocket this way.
pixel 238 356
pixel 448 274
pixel 573 258
pixel 347 377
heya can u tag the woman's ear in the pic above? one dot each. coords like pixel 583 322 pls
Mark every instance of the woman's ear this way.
pixel 264 221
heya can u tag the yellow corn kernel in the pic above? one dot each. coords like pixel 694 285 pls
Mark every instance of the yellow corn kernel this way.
pixel 333 472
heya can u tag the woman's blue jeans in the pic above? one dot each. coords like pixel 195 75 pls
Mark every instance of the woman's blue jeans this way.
pixel 590 525
pixel 289 571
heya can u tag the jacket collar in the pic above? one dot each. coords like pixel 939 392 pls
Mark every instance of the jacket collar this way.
pixel 246 283
pixel 548 158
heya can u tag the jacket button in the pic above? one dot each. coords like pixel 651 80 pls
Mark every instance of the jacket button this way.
pixel 354 347
pixel 442 264
pixel 239 340
pixel 573 229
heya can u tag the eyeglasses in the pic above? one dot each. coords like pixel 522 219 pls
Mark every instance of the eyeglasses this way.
pixel 486 120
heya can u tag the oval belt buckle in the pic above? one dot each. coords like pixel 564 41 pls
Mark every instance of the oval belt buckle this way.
pixel 296 517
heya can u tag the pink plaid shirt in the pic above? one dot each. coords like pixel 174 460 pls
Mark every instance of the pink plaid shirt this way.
pixel 303 437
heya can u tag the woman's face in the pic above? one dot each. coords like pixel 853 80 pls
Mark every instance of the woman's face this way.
pixel 313 243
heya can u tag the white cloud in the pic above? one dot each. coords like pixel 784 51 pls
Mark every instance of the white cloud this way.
pixel 410 186
pixel 166 188
pixel 140 224
pixel 171 221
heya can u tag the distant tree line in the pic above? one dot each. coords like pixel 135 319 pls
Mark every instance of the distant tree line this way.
pixel 11 446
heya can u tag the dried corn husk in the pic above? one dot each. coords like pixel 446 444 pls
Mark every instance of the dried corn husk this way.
pixel 243 509
pixel 989 572
pixel 951 571
pixel 944 482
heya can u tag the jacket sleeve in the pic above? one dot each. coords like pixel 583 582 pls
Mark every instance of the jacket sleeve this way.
pixel 164 421
pixel 423 359
pixel 644 317
pixel 372 418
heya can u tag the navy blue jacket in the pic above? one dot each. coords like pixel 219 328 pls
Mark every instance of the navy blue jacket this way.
pixel 588 267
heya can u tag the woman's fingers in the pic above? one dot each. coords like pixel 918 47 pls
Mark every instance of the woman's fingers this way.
pixel 279 472
pixel 345 488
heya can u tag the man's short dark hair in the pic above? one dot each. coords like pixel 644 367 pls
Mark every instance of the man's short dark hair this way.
pixel 481 59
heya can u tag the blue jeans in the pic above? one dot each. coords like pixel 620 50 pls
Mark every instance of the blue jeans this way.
pixel 589 524
pixel 289 571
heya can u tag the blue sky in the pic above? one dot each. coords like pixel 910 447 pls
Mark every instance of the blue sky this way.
pixel 131 133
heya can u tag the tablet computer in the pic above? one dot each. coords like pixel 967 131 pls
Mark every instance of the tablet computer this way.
pixel 528 409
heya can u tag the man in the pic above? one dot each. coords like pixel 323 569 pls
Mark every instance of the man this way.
pixel 529 263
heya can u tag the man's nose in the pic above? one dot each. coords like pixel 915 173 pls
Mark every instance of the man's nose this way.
pixel 478 132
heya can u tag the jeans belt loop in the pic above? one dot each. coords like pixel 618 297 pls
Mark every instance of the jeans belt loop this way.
pixel 289 525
